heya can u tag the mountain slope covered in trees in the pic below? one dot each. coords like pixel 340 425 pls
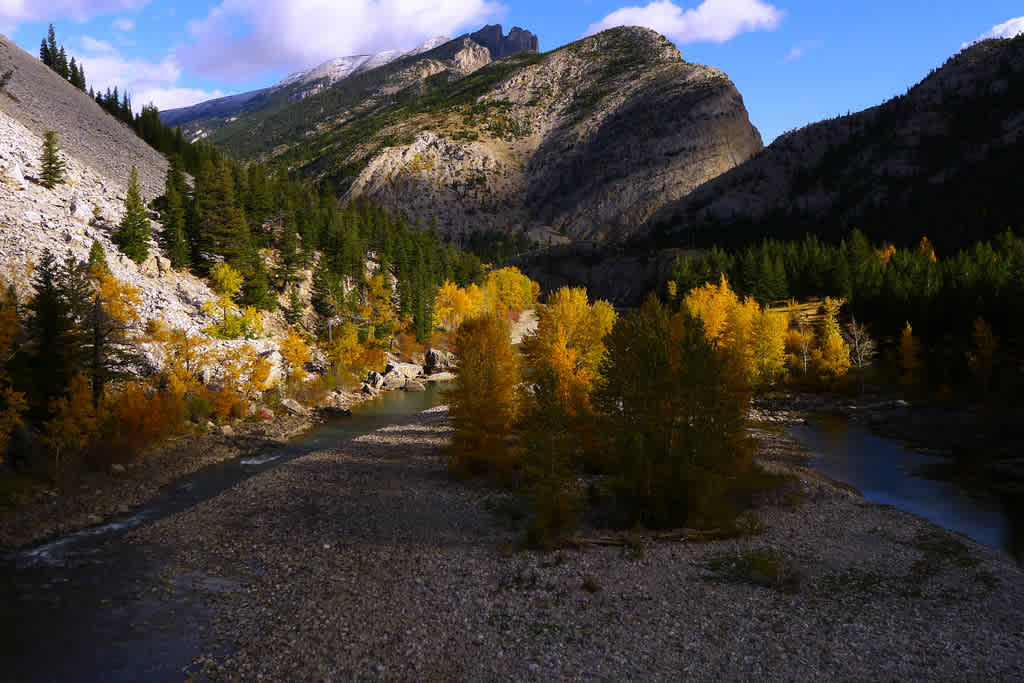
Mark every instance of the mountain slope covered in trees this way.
pixel 587 141
pixel 942 160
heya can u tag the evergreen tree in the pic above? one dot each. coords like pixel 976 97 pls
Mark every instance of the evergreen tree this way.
pixel 134 232
pixel 98 260
pixel 44 54
pixel 222 221
pixel 293 314
pixel 51 48
pixel 175 242
pixel 61 65
pixel 53 326
pixel 53 166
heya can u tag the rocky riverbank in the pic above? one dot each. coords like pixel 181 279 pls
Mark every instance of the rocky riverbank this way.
pixel 40 513
pixel 370 561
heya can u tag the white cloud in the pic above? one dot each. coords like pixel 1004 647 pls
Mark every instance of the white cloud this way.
pixel 241 38
pixel 124 24
pixel 1008 29
pixel 14 12
pixel 715 21
pixel 800 49
pixel 146 82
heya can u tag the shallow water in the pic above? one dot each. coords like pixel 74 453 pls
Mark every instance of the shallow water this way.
pixel 89 607
pixel 932 487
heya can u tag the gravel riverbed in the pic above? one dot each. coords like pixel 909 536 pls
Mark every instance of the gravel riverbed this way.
pixel 369 561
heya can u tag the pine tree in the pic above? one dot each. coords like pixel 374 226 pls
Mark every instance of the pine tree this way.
pixel 134 232
pixel 44 54
pixel 53 166
pixel 293 314
pixel 62 63
pixel 173 215
pixel 98 260
pixel 51 48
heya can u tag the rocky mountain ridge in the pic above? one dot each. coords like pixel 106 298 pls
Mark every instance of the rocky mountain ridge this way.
pixel 586 141
pixel 297 85
pixel 938 160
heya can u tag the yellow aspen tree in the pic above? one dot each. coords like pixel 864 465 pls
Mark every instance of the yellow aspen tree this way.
pixel 833 358
pixel 713 305
pixel 910 359
pixel 484 403
pixel 982 360
pixel 927 249
pixel 295 353
pixel 509 291
pixel 768 346
pixel 73 427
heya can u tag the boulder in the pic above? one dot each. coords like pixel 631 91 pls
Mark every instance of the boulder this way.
pixel 438 361
pixel 117 468
pixel 413 385
pixel 406 370
pixel 226 430
pixel 294 407
pixel 333 412
pixel 368 390
pixel 394 380
pixel 375 380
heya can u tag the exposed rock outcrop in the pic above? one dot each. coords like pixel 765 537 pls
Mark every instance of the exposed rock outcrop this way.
pixel 500 45
pixel 589 140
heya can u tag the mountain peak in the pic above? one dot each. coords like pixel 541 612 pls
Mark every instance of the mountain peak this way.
pixel 493 38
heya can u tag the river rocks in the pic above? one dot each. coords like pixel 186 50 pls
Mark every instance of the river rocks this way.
pixel 406 370
pixel 394 380
pixel 117 468
pixel 442 377
pixel 438 361
pixel 332 412
pixel 294 407
pixel 226 430
pixel 414 386
pixel 374 380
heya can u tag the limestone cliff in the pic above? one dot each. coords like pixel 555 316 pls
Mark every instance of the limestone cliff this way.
pixel 588 140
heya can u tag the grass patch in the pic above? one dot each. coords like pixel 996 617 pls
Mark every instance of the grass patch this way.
pixel 761 567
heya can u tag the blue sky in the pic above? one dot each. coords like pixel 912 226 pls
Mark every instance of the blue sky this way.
pixel 794 61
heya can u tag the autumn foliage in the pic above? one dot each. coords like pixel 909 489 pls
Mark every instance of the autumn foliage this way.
pixel 484 403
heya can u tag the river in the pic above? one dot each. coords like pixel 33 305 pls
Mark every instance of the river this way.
pixel 939 489
pixel 90 607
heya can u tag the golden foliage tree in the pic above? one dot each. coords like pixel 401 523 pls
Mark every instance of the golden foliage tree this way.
pixel 832 359
pixel 73 427
pixel 982 359
pixel 911 363
pixel 484 403
pixel 454 304
pixel 295 353
pixel 507 290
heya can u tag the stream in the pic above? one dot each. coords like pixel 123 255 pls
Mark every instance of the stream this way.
pixel 90 607
pixel 939 489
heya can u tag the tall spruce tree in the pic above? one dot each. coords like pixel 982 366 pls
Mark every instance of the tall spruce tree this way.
pixel 134 232
pixel 44 54
pixel 53 166
pixel 61 65
pixel 175 242
pixel 51 47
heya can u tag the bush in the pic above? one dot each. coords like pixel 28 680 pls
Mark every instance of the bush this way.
pixel 199 409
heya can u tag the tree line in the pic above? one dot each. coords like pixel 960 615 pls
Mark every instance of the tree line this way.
pixel 118 103
pixel 941 296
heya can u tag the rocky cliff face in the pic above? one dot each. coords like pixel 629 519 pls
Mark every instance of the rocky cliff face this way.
pixel 589 140
pixel 500 45
pixel 943 158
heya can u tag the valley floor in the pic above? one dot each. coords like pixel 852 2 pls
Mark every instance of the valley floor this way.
pixel 369 561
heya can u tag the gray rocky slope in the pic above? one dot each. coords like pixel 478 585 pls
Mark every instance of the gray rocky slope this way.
pixel 99 152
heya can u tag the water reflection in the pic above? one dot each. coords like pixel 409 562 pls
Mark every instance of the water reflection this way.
pixel 933 487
